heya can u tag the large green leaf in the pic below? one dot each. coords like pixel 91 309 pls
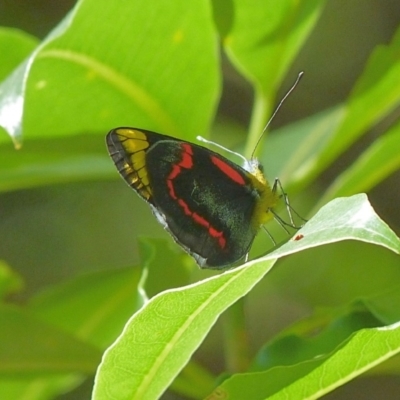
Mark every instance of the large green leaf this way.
pixel 29 347
pixel 133 67
pixel 343 272
pixel 264 36
pixel 298 152
pixel 158 341
pixel 86 313
pixel 16 45
pixel 375 95
pixel 54 160
pixel 92 307
pixel 380 160
pixel 322 373
pixel 314 337
pixel 366 349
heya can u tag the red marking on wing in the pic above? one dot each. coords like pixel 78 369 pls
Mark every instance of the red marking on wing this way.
pixel 218 235
pixel 212 231
pixel 176 170
pixel 187 159
pixel 228 170
pixel 200 220
pixel 185 207
pixel 187 163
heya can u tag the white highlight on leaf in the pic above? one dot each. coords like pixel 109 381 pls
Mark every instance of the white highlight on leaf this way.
pixel 11 113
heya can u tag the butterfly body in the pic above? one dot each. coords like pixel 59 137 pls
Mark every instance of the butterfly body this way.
pixel 211 206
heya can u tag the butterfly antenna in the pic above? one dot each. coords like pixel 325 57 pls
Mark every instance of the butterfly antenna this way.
pixel 299 76
pixel 201 139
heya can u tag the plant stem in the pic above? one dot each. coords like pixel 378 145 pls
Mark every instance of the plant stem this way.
pixel 194 381
pixel 236 339
pixel 261 110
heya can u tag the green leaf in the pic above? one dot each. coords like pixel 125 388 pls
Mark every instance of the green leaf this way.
pixel 341 219
pixel 54 160
pixel 156 65
pixel 159 340
pixel 30 347
pixel 385 305
pixel 262 51
pixel 380 160
pixel 293 150
pixel 322 374
pixel 260 385
pixel 313 337
pixel 10 281
pixel 193 381
pixel 376 93
pixel 343 272
pixel 46 388
pixel 17 45
pixel 157 256
pixel 93 307
pixel 366 349
pixel 265 36
pixel 135 67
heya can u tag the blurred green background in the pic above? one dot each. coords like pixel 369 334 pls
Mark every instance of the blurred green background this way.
pixel 76 224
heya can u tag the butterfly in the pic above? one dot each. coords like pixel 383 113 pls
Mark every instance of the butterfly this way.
pixel 212 207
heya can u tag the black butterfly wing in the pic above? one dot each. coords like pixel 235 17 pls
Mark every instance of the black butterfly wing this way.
pixel 206 211
pixel 204 200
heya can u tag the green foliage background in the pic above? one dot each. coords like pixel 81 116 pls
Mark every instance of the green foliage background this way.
pixel 69 226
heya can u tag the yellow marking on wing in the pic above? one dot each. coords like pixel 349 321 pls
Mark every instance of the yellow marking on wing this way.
pixel 139 162
pixel 135 143
pixel 142 173
pixel 130 133
pixel 133 140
